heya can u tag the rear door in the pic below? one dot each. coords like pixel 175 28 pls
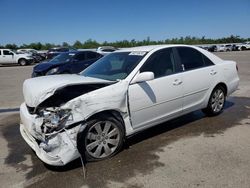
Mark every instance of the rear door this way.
pixel 199 75
pixel 159 99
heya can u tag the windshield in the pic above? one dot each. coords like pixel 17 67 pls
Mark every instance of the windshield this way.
pixel 115 66
pixel 62 58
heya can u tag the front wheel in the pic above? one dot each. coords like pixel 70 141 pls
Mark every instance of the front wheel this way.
pixel 216 102
pixel 102 138
pixel 22 62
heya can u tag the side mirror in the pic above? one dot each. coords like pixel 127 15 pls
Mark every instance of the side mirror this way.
pixel 143 77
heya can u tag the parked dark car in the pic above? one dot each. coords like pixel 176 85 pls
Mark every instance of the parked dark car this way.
pixel 52 52
pixel 212 48
pixel 66 63
pixel 234 47
pixel 37 57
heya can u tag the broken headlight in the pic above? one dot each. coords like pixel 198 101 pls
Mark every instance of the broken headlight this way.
pixel 54 119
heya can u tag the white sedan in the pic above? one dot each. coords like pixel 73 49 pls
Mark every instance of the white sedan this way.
pixel 90 114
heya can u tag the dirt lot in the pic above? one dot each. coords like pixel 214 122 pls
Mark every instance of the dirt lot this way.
pixel 191 151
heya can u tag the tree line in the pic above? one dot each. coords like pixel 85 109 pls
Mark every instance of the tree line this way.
pixel 130 43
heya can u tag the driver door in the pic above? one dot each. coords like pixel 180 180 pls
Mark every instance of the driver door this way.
pixel 8 57
pixel 160 99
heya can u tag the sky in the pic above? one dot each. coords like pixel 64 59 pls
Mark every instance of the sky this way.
pixel 57 21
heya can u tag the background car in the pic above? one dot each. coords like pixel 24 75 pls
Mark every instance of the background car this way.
pixel 244 46
pixel 66 63
pixel 52 52
pixel 37 56
pixel 224 47
pixel 212 48
pixel 106 49
pixel 8 56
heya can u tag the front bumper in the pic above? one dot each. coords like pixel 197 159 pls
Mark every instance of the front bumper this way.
pixel 62 146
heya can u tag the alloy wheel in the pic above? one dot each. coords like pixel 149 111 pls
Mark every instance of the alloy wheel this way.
pixel 102 139
pixel 218 100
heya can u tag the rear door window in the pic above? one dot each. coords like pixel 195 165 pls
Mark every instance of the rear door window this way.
pixel 190 58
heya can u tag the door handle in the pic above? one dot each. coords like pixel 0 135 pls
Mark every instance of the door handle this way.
pixel 213 72
pixel 177 82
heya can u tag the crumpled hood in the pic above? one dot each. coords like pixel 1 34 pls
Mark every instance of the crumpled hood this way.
pixel 36 90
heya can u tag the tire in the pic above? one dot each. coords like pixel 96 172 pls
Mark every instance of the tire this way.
pixel 243 48
pixel 102 138
pixel 216 102
pixel 22 62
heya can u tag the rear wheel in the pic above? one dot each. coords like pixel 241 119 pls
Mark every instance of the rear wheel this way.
pixel 102 138
pixel 216 102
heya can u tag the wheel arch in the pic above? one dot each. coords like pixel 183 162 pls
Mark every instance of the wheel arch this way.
pixel 21 58
pixel 223 85
pixel 114 113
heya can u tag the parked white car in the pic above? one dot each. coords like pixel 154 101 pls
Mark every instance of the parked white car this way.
pixel 9 57
pixel 91 114
pixel 105 49
pixel 224 48
pixel 244 46
pixel 27 50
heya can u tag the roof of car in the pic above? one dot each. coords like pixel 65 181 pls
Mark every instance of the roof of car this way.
pixel 150 47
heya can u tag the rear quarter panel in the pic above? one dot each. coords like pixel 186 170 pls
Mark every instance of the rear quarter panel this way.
pixel 229 75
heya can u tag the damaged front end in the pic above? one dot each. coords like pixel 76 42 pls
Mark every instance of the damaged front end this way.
pixel 51 134
pixel 52 117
